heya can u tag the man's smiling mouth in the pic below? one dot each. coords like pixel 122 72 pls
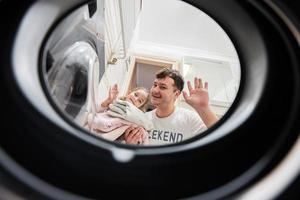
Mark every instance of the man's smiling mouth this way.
pixel 155 96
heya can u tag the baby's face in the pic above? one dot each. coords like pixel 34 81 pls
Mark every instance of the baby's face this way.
pixel 137 98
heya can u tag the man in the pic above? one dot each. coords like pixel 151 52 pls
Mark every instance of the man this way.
pixel 173 124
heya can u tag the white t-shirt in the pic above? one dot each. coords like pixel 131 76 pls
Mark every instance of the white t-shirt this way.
pixel 180 125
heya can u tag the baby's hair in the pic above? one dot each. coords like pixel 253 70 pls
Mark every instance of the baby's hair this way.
pixel 145 106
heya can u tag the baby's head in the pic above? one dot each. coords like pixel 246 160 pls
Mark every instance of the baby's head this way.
pixel 139 97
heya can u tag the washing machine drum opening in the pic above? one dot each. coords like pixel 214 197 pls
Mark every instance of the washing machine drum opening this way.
pixel 77 91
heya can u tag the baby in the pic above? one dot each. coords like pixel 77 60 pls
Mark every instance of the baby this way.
pixel 139 97
pixel 103 122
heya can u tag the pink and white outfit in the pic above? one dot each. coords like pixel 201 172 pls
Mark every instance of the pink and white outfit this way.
pixel 106 126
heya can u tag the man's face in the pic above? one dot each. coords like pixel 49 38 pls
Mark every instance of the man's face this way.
pixel 163 92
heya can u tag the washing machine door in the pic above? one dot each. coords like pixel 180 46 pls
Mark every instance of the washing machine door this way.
pixel 74 60
pixel 44 155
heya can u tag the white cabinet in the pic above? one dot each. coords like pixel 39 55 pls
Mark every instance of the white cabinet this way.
pixel 120 21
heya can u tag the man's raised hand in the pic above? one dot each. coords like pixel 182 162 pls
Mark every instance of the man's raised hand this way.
pixel 198 97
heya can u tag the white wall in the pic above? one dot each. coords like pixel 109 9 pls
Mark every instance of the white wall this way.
pixel 176 23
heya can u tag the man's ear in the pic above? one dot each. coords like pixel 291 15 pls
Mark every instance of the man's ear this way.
pixel 177 93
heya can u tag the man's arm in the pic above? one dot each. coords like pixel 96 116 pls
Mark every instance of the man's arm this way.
pixel 199 100
pixel 136 135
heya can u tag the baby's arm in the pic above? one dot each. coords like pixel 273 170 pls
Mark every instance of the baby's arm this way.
pixel 112 95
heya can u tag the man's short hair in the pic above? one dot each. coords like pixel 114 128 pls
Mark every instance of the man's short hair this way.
pixel 172 73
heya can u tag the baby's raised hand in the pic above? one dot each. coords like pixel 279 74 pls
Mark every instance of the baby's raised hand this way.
pixel 112 95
